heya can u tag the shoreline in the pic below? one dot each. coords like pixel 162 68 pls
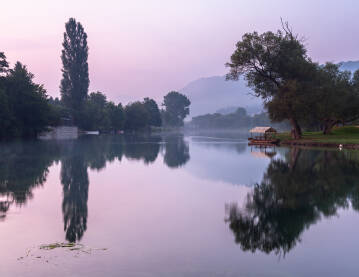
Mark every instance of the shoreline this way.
pixel 318 144
pixel 340 137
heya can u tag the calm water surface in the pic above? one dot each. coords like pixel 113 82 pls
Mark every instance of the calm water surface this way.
pixel 175 205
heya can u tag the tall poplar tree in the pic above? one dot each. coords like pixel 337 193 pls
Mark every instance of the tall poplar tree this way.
pixel 75 76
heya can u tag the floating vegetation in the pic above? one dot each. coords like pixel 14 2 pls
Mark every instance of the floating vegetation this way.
pixel 60 250
pixel 55 245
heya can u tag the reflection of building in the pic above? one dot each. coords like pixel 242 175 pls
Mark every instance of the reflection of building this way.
pixel 60 132
pixel 260 151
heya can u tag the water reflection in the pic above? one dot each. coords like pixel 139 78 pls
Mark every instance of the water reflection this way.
pixel 295 192
pixel 75 181
pixel 176 151
pixel 147 149
pixel 24 166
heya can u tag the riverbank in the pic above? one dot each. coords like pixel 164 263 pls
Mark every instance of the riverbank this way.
pixel 346 137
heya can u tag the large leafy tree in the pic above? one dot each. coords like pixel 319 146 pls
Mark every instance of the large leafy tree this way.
pixel 277 67
pixel 137 116
pixel 176 108
pixel 27 103
pixel 116 116
pixel 337 97
pixel 75 74
pixel 153 112
pixel 94 116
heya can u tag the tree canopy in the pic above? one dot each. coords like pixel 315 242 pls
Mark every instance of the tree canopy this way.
pixel 24 107
pixel 294 88
pixel 278 69
pixel 176 109
pixel 142 115
pixel 237 120
pixel 75 74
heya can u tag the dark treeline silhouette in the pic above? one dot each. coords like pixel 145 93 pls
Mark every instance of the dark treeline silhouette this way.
pixel 292 86
pixel 294 194
pixel 176 109
pixel 26 110
pixel 24 166
pixel 236 120
pixel 94 112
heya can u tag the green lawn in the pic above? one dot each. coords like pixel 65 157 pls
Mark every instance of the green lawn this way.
pixel 341 135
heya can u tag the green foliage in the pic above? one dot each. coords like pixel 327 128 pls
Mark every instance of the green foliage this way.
pixel 236 120
pixel 294 88
pixel 142 115
pixel 176 109
pixel 337 97
pixel 95 113
pixel 277 67
pixel 4 65
pixel 339 135
pixel 6 116
pixel 137 116
pixel 153 111
pixel 75 76
pixel 116 115
pixel 25 109
pixel 99 114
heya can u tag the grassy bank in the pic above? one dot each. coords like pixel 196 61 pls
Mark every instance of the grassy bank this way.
pixel 340 135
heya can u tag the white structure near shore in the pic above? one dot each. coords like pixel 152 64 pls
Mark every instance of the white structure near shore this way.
pixel 60 132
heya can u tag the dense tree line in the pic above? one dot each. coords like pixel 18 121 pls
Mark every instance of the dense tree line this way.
pixel 26 110
pixel 94 112
pixel 292 86
pixel 24 107
pixel 237 120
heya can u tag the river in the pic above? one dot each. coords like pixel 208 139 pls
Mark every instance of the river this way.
pixel 176 205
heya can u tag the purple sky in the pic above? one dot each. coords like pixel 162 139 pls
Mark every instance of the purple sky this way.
pixel 149 47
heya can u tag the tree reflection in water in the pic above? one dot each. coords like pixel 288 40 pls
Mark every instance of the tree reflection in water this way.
pixel 294 194
pixel 75 181
pixel 176 151
pixel 24 166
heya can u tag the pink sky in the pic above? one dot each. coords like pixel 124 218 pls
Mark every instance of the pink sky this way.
pixel 149 47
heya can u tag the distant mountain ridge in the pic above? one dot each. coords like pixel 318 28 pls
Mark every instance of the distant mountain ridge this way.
pixel 212 94
pixel 351 66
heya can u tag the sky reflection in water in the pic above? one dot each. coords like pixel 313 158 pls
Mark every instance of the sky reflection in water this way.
pixel 179 206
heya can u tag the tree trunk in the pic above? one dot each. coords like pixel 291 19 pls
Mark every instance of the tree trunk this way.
pixel 296 132
pixel 328 126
